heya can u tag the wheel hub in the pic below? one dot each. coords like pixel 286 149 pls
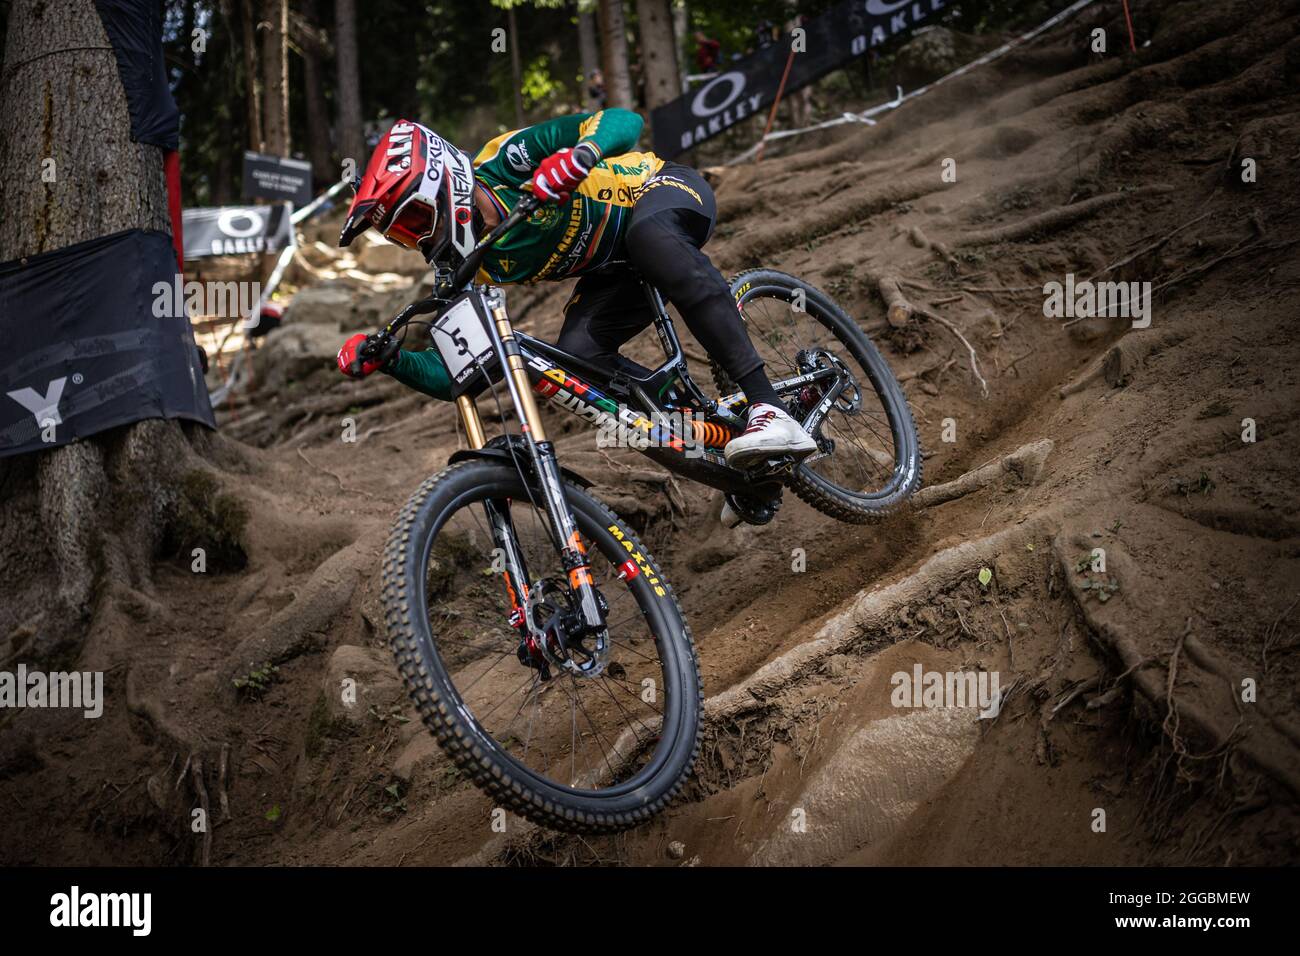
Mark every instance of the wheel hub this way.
pixel 560 636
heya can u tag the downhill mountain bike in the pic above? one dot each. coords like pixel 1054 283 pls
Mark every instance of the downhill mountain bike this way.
pixel 538 638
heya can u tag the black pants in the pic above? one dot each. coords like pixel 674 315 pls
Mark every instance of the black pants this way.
pixel 672 218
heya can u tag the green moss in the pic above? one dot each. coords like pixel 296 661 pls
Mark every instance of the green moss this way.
pixel 322 727
pixel 204 516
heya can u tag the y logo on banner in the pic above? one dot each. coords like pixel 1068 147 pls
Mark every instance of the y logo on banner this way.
pixel 44 408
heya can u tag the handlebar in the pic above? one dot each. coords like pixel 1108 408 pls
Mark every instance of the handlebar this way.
pixel 459 278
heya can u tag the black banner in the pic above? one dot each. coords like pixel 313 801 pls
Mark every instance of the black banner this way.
pixel 748 86
pixel 235 230
pixel 277 178
pixel 86 349
pixel 134 27
pixel 102 907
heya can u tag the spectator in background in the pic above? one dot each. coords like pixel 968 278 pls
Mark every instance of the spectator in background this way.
pixel 764 34
pixel 637 76
pixel 707 53
pixel 596 90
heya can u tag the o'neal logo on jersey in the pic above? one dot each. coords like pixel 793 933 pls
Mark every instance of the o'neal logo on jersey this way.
pixel 518 158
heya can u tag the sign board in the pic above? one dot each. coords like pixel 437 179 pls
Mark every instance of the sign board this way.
pixel 277 178
pixel 91 344
pixel 235 230
pixel 748 86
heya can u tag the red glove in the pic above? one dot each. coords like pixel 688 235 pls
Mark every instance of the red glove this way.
pixel 562 172
pixel 350 362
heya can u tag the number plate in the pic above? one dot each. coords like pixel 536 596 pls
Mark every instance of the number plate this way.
pixel 462 341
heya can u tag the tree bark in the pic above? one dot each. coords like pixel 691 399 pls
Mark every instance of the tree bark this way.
pixel 658 52
pixel 253 93
pixel 588 55
pixel 613 51
pixel 351 144
pixel 81 518
pixel 516 67
pixel 275 64
pixel 313 49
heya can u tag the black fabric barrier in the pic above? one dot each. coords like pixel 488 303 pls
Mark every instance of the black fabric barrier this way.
pixel 134 27
pixel 84 349
pixel 747 86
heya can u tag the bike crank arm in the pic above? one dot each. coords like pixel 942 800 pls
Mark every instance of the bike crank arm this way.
pixel 799 381
pixel 813 420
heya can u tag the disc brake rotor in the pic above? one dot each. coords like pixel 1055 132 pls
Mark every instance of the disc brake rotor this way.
pixel 560 636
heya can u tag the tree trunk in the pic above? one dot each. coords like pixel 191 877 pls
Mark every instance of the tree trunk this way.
pixel 589 56
pixel 83 519
pixel 275 64
pixel 318 123
pixel 351 144
pixel 253 93
pixel 658 52
pixel 613 54
pixel 681 30
pixel 516 67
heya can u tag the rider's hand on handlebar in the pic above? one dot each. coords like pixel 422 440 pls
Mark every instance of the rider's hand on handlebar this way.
pixel 562 172
pixel 363 354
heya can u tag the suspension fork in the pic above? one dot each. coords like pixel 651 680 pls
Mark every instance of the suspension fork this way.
pixel 564 528
pixel 514 566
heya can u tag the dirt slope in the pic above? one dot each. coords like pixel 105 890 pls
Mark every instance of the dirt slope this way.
pixel 806 760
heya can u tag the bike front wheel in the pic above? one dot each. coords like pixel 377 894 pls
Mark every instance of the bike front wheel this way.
pixel 568 745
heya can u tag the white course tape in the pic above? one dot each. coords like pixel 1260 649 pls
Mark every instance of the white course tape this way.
pixel 866 115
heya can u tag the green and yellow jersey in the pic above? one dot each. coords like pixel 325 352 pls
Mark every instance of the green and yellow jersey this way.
pixel 564 239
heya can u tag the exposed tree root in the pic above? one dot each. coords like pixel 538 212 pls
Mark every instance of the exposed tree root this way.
pixel 1257 741
pixel 898 309
pixel 1025 463
pixel 870 613
pixel 1118 364
pixel 974 358
pixel 1055 219
pixel 921 241
pixel 196 774
pixel 301 625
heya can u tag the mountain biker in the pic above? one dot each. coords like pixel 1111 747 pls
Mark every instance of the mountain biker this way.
pixel 606 207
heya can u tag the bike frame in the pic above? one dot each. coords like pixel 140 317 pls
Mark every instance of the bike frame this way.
pixel 531 367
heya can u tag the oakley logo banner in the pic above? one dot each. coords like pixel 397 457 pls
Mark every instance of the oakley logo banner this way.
pixel 749 85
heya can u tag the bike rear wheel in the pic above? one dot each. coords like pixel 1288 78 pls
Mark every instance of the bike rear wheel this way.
pixel 588 754
pixel 869 460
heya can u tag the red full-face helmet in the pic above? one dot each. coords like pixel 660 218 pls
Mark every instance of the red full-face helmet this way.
pixel 418 191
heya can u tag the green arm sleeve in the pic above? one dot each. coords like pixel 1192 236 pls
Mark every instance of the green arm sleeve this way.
pixel 612 131
pixel 422 371
pixel 512 157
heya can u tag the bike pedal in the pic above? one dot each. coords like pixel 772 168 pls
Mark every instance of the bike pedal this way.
pixel 773 466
